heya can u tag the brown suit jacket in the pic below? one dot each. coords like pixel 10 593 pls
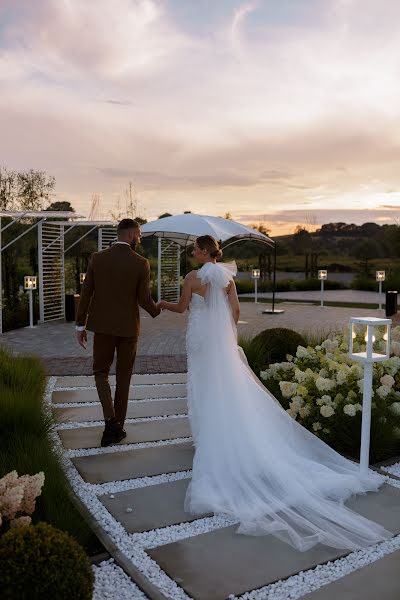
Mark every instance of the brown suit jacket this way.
pixel 117 282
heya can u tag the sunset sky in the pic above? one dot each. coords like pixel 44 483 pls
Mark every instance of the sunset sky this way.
pixel 283 111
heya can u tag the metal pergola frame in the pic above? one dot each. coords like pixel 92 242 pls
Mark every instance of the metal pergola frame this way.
pixel 41 217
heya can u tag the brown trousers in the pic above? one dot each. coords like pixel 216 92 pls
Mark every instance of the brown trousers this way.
pixel 104 347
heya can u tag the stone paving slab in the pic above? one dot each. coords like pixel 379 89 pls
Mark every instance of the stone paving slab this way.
pixel 135 393
pixel 153 506
pixel 147 431
pixel 88 380
pixel 136 410
pixel 130 464
pixel 213 565
pixel 377 580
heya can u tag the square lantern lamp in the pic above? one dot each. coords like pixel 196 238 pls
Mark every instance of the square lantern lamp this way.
pixel 322 275
pixel 368 328
pixel 82 277
pixel 30 282
pixel 380 278
pixel 255 274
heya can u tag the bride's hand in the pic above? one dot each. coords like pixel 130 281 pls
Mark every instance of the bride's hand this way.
pixel 162 305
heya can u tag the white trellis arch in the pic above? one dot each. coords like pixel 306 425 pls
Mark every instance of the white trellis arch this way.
pixel 52 250
pixel 35 219
pixel 169 270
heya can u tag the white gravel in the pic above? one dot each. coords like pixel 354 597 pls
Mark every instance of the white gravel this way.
pixel 393 469
pixel 79 424
pixel 112 583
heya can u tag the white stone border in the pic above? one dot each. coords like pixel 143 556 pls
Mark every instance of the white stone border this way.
pixel 98 403
pixel 122 447
pixel 112 583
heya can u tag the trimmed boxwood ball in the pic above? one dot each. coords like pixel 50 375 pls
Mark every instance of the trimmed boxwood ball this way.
pixel 271 346
pixel 40 561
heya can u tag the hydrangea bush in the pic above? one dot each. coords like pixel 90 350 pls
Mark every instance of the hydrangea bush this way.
pixel 18 498
pixel 321 387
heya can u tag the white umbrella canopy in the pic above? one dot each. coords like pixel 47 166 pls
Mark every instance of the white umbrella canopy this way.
pixel 184 229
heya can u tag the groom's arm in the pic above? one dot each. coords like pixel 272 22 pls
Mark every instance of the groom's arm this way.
pixel 85 297
pixel 143 292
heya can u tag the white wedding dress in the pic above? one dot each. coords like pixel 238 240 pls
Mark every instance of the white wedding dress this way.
pixel 252 461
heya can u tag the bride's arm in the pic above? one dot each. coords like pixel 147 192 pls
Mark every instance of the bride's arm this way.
pixel 184 300
pixel 234 301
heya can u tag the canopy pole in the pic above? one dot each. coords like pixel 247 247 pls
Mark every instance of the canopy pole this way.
pixel 159 270
pixel 274 280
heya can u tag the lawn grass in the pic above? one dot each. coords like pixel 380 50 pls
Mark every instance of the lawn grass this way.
pixel 25 445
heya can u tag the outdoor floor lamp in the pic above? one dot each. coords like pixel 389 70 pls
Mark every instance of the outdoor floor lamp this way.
pixel 30 284
pixel 372 336
pixel 380 278
pixel 255 274
pixel 322 275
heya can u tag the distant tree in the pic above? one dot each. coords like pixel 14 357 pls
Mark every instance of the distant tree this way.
pixel 8 189
pixel 365 250
pixel 62 206
pixel 261 228
pixel 228 216
pixel 187 212
pixel 164 215
pixel 33 188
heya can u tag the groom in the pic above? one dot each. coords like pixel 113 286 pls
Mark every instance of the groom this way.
pixel 117 282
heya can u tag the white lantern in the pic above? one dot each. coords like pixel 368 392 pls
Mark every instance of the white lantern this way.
pixel 380 278
pixel 322 274
pixel 30 282
pixel 367 331
pixel 82 277
pixel 255 274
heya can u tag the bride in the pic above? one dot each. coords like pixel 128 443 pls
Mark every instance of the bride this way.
pixel 252 461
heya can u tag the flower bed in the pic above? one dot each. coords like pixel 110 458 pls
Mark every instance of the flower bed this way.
pixel 321 387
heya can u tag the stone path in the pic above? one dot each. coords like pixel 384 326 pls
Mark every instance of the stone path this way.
pixel 136 491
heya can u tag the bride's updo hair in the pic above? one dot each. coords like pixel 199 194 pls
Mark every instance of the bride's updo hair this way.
pixel 207 242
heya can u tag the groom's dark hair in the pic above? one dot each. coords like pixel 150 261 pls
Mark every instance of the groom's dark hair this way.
pixel 127 224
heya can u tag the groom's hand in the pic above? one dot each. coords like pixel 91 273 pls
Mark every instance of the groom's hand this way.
pixel 162 305
pixel 81 336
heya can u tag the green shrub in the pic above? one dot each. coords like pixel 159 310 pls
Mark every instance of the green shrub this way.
pixel 39 561
pixel 270 346
pixel 25 445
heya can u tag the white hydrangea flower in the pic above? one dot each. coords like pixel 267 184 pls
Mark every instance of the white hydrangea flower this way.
pixel 323 373
pixel 395 408
pixel 360 384
pixel 299 375
pixel 288 388
pixel 383 391
pixel 297 401
pixel 341 377
pixel 339 398
pixel 302 352
pixel 352 396
pixel 267 374
pixel 289 357
pixel 324 385
pixel 326 430
pixel 326 411
pixel 350 410
pixel 330 345
pixel 387 380
pixel 304 411
pixel 358 407
pixel 317 426
pixel 357 371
